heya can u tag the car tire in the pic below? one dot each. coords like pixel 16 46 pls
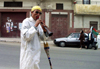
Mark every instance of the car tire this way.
pixel 90 46
pixel 62 44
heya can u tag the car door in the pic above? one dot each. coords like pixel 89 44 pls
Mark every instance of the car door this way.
pixel 73 39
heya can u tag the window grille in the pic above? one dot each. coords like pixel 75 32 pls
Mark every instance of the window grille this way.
pixel 59 6
pixel 12 4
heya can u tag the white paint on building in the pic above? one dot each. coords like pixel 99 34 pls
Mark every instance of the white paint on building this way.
pixel 28 4
pixel 47 4
pixel 47 18
pixel 68 5
pixel 1 3
pixel 54 12
pixel 63 13
pixel 70 19
pixel 77 21
pixel 52 5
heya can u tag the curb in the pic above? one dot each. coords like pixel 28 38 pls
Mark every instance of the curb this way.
pixel 9 41
pixel 18 41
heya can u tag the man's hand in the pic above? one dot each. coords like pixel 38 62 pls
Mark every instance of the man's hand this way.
pixel 43 25
pixel 38 22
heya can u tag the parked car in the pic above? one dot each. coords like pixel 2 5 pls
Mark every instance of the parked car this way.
pixel 72 39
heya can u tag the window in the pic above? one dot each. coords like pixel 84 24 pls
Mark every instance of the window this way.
pixel 94 24
pixel 12 4
pixel 86 1
pixel 59 6
pixel 74 35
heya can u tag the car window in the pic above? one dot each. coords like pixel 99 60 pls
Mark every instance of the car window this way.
pixel 74 35
pixel 69 36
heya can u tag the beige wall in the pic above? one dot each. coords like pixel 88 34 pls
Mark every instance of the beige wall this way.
pixel 84 21
pixel 87 20
pixel 47 18
pixel 27 4
pixel 47 4
pixel 52 5
pixel 77 21
pixel 1 3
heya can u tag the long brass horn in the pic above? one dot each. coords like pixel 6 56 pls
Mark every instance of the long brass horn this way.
pixel 49 33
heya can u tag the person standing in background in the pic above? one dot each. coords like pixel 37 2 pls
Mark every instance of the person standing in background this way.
pixel 98 40
pixel 81 38
pixel 90 39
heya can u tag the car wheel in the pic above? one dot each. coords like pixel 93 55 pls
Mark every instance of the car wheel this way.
pixel 62 44
pixel 90 46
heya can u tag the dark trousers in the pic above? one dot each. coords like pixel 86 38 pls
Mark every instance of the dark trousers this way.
pixel 81 43
pixel 89 42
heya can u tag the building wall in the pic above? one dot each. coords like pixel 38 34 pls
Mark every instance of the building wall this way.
pixel 47 4
pixel 48 7
pixel 87 20
pixel 84 21
pixel 27 4
pixel 52 5
pixel 77 21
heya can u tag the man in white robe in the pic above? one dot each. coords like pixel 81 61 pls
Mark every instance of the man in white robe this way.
pixel 98 40
pixel 30 42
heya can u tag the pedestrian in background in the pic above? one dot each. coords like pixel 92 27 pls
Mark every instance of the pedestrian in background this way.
pixel 98 40
pixel 81 38
pixel 90 39
pixel 30 43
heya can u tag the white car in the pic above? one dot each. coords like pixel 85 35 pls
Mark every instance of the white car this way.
pixel 72 39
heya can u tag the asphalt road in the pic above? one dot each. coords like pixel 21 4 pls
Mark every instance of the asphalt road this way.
pixel 61 58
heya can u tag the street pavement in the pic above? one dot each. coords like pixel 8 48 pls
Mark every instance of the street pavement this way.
pixel 61 58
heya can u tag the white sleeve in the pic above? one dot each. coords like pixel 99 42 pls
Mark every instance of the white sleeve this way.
pixel 41 32
pixel 27 32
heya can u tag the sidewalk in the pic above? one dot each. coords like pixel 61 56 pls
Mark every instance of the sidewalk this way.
pixel 16 40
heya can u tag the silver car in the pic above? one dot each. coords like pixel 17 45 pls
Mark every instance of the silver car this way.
pixel 72 39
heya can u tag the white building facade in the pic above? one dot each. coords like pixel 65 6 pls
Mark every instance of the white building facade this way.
pixel 61 16
pixel 87 14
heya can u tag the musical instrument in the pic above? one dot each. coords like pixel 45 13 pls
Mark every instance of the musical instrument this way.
pixel 49 33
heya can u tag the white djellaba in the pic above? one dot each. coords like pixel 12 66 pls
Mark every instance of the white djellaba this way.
pixel 98 40
pixel 30 44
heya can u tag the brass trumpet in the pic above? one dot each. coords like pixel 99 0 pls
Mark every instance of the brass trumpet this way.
pixel 48 32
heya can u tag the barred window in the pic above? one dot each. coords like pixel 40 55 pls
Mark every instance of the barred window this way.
pixel 86 1
pixel 94 24
pixel 12 4
pixel 59 6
